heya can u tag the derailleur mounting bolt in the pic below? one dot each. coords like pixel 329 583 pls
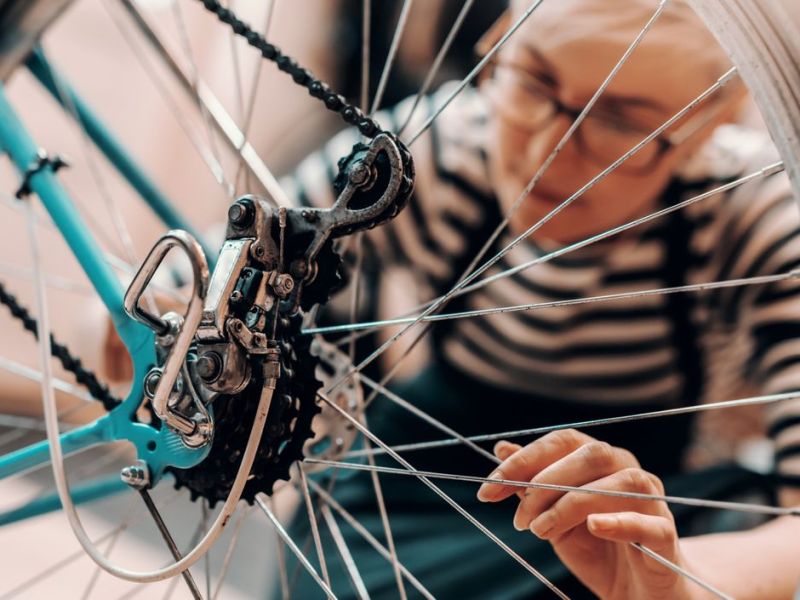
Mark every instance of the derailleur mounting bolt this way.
pixel 240 214
pixel 208 366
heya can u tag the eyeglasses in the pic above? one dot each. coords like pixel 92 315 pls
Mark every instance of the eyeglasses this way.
pixel 529 103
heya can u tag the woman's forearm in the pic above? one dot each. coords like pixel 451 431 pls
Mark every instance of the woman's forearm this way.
pixel 761 563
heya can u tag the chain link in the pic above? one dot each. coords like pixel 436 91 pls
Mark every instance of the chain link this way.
pixel 98 391
pixel 334 102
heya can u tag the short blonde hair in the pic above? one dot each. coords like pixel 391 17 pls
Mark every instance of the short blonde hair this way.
pixel 618 22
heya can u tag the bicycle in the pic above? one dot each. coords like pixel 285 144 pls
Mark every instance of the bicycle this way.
pixel 279 259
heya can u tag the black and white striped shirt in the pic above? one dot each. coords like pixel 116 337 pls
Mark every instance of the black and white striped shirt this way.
pixel 637 351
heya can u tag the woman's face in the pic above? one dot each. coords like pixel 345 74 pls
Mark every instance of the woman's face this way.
pixel 565 50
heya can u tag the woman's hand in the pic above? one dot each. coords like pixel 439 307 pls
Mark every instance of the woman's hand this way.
pixel 592 533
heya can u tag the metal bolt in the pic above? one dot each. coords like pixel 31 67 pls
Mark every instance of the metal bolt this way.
pixel 137 475
pixel 240 214
pixel 151 383
pixel 359 173
pixel 208 366
pixel 309 215
pixel 283 285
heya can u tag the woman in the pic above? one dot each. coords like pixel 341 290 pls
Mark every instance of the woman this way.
pixel 572 363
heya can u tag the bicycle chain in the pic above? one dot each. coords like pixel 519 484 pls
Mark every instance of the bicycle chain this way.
pixel 98 391
pixel 334 102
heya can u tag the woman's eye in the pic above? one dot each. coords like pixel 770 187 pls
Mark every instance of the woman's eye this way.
pixel 617 125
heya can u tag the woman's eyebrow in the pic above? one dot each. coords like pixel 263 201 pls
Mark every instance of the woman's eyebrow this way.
pixel 548 72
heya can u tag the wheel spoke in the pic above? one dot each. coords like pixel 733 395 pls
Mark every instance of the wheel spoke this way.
pixel 55 282
pixel 366 40
pixel 344 552
pixel 533 306
pixel 719 84
pixel 387 67
pixel 387 528
pixel 767 171
pixel 697 502
pixel 368 537
pixel 170 542
pixel 287 539
pixel 455 505
pixel 174 581
pixel 204 516
pixel 194 81
pixel 202 148
pixel 390 395
pixel 226 561
pixel 437 64
pixel 109 549
pixel 681 571
pixel 477 69
pixel 696 408
pixel 282 570
pixel 312 521
pixel 251 100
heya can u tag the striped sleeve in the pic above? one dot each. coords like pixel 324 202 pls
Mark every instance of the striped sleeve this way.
pixel 767 242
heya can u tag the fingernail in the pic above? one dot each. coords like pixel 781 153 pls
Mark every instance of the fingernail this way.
pixel 542 526
pixel 488 491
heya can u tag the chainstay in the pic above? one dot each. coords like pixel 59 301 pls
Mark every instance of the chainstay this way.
pixel 334 102
pixel 98 390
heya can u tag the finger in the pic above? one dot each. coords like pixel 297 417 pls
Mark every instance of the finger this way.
pixel 586 464
pixel 573 509
pixel 503 449
pixel 654 531
pixel 528 461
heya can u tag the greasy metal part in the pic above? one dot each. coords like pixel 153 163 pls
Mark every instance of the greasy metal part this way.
pixel 341 218
pixel 22 23
pixel 254 342
pixel 334 435
pixel 234 372
pixel 232 259
pixel 176 333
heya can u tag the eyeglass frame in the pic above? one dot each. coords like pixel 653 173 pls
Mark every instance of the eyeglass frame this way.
pixel 666 142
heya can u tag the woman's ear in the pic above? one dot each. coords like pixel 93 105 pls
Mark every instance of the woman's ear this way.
pixel 493 34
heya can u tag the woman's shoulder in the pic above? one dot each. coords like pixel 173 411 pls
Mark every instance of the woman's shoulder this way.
pixel 743 164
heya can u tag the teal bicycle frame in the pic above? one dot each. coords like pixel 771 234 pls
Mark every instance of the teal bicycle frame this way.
pixel 158 447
